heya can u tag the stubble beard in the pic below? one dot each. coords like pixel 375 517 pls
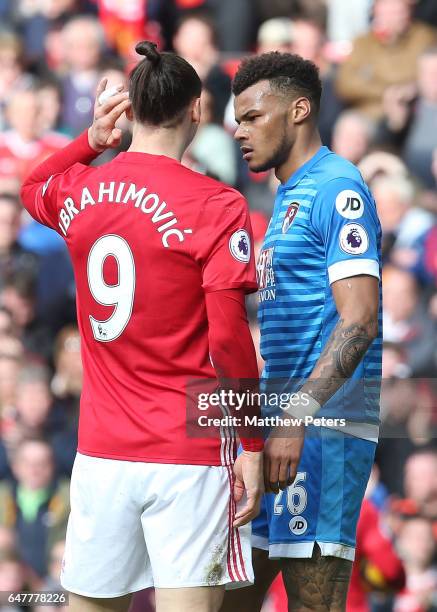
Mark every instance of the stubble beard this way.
pixel 278 156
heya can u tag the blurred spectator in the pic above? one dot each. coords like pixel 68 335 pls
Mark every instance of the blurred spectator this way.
pixel 404 226
pixel 36 506
pixel 25 145
pixel 376 567
pixel 404 320
pixel 410 119
pixel 213 149
pixel 82 40
pixel 352 135
pixel 421 483
pixel 384 57
pixel 234 22
pixel 381 164
pixel 308 40
pixel 394 361
pixel 13 258
pixel 36 412
pixel 19 296
pixel 31 407
pixel 347 21
pixel 11 351
pixel 49 103
pixel 67 381
pixel 12 578
pixel 417 547
pixel 196 41
pixel 34 20
pixel 53 62
pixel 11 69
pixel 274 35
pixel 124 23
pixel 66 387
pixel 406 427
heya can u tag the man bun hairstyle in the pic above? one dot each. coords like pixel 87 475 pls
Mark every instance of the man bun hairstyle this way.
pixel 161 86
pixel 149 50
pixel 290 75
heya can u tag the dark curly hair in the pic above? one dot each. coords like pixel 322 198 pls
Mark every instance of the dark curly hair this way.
pixel 288 74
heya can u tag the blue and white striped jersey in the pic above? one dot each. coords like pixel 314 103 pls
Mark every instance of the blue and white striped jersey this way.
pixel 324 228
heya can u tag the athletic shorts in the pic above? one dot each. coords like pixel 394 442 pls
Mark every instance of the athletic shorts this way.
pixel 135 525
pixel 323 504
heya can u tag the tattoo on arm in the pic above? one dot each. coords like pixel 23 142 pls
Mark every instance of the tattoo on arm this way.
pixel 343 352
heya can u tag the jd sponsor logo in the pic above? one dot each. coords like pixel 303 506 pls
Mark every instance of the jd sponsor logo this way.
pixel 298 525
pixel 349 204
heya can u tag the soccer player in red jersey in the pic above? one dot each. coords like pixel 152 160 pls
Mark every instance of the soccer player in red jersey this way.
pixel 162 260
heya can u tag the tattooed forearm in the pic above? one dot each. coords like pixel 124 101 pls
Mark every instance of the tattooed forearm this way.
pixel 343 352
pixel 349 347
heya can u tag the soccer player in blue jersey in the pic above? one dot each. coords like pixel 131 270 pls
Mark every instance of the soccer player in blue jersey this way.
pixel 320 317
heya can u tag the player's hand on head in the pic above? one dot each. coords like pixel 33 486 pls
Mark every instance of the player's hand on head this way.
pixel 108 109
pixel 248 473
pixel 282 452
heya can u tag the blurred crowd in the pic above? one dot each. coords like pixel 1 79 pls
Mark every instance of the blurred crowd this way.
pixel 378 63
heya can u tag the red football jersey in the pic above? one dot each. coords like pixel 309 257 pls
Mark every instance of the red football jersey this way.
pixel 147 238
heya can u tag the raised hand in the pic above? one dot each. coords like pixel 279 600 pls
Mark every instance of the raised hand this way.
pixel 103 134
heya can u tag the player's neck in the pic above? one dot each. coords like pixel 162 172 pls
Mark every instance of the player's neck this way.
pixel 305 147
pixel 158 141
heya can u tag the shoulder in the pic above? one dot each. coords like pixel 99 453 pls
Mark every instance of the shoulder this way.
pixel 340 186
pixel 211 191
pixel 335 172
pixel 76 173
pixel 197 179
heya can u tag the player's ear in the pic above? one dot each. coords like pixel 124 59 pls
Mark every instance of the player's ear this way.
pixel 196 111
pixel 300 110
pixel 129 113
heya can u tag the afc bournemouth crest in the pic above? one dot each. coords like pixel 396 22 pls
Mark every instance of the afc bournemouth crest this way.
pixel 289 216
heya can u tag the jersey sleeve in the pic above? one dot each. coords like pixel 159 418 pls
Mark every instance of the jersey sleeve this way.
pixel 40 189
pixel 224 243
pixel 42 202
pixel 344 217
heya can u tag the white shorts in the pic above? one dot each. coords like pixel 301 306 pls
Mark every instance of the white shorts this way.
pixel 135 525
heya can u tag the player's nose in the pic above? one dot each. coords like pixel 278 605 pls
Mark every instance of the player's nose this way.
pixel 240 134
